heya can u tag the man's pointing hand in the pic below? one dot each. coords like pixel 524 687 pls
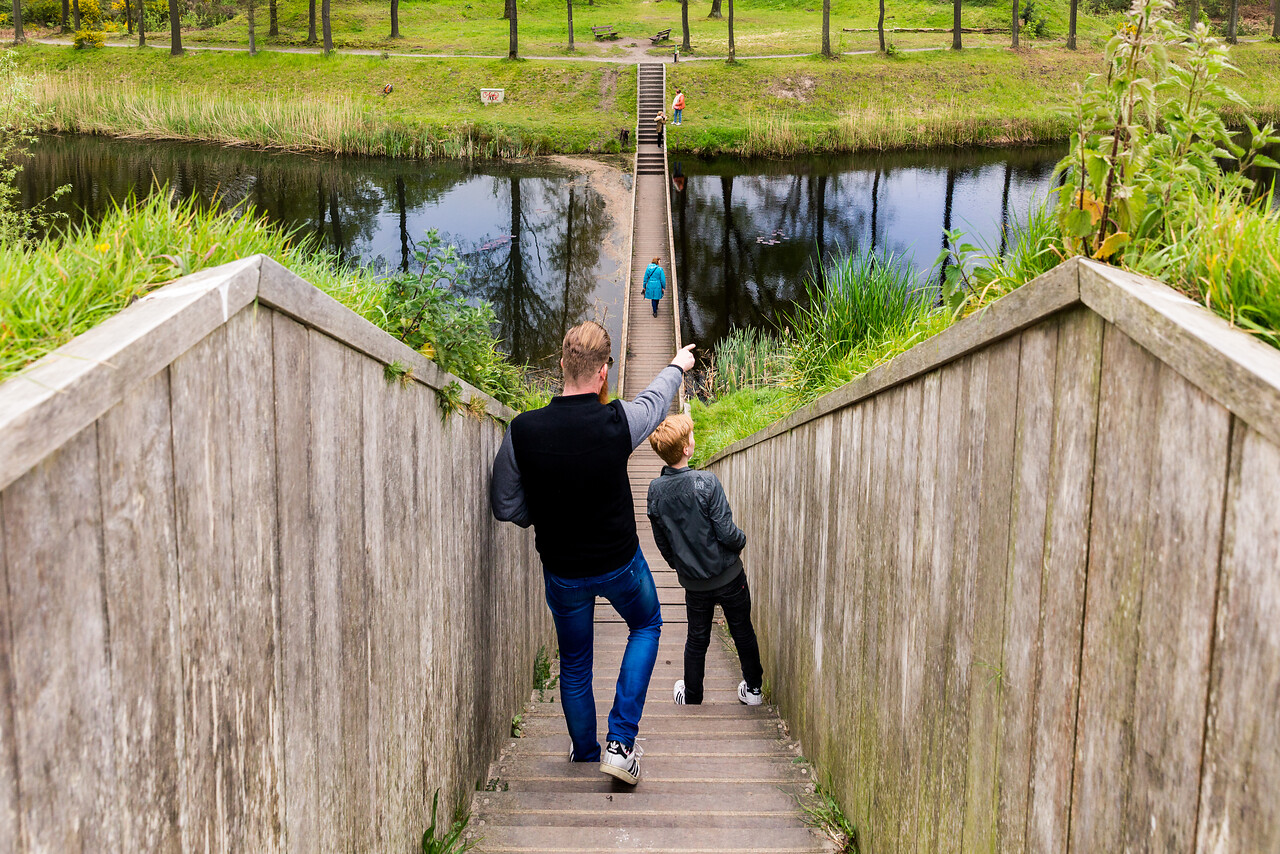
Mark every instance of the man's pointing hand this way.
pixel 684 358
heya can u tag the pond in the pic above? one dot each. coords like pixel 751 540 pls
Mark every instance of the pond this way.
pixel 546 240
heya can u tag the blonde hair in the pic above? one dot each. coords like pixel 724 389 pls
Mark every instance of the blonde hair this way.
pixel 586 347
pixel 670 437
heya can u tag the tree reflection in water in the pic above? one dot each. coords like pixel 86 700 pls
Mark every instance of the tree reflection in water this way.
pixel 749 232
pixel 532 234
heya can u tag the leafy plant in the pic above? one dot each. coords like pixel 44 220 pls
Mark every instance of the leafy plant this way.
pixel 397 373
pixel 451 842
pixel 89 39
pixel 517 726
pixel 20 116
pixel 824 812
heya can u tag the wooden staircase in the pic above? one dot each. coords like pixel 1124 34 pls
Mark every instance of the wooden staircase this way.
pixel 720 777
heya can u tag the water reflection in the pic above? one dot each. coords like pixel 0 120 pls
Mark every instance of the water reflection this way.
pixel 747 233
pixel 542 241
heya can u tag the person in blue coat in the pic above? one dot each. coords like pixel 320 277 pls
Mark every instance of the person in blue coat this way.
pixel 655 283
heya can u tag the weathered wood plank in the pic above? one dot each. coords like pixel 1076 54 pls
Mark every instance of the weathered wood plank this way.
pixel 252 440
pixel 341 634
pixel 10 822
pixel 1241 771
pixel 213 739
pixel 1239 372
pixel 989 574
pixel 291 343
pixel 1180 575
pixel 1029 507
pixel 140 569
pixel 945 798
pixel 66 772
pixel 1126 455
pixel 1046 295
pixel 61 394
pixel 1070 497
pixel 919 826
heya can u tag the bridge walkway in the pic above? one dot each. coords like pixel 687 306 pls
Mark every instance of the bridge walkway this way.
pixel 717 777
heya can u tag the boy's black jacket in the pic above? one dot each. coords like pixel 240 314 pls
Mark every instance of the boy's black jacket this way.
pixel 693 527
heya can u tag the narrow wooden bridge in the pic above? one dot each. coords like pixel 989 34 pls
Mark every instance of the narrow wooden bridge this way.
pixel 717 777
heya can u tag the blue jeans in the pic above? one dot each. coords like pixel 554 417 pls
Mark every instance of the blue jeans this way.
pixel 573 603
pixel 655 307
pixel 676 118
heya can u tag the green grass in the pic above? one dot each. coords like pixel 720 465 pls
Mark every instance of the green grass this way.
pixel 761 27
pixel 59 288
pixel 311 103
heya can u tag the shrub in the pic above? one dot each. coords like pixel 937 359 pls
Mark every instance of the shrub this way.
pixel 44 12
pixel 88 39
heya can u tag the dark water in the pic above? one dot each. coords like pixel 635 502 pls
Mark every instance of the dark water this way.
pixel 749 232
pixel 539 238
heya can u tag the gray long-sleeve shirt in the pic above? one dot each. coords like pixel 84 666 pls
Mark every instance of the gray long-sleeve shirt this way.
pixel 506 494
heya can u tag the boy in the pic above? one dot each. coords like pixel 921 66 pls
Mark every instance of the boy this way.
pixel 693 527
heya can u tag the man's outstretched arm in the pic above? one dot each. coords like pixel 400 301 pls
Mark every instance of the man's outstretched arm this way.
pixel 506 492
pixel 652 405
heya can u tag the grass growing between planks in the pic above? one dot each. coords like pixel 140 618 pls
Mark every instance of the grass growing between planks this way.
pixel 308 103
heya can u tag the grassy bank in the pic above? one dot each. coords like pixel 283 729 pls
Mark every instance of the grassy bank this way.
pixel 775 107
pixel 312 103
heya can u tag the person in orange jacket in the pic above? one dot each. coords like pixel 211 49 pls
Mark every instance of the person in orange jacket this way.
pixel 677 107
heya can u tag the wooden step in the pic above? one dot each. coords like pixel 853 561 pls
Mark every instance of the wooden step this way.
pixel 689 840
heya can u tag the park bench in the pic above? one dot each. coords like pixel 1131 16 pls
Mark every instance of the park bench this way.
pixel 662 36
pixel 606 31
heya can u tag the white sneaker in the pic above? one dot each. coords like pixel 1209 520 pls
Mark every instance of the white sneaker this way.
pixel 749 696
pixel 622 763
pixel 679 692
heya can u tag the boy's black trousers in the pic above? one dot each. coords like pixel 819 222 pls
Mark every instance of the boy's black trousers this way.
pixel 735 599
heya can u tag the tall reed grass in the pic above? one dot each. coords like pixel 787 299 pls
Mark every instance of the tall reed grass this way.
pixel 298 123
pixel 746 358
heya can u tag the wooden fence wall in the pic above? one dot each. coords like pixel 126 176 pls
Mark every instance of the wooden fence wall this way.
pixel 254 599
pixel 1019 589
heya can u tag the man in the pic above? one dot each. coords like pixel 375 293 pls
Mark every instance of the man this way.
pixel 563 469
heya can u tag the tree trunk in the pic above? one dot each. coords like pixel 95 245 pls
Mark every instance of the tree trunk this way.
pixel 955 25
pixel 128 17
pixel 732 53
pixel 18 37
pixel 506 9
pixel 1071 27
pixel 1233 21
pixel 569 6
pixel 273 20
pixel 75 14
pixel 395 19
pixel 1015 24
pixel 1275 19
pixel 684 22
pixel 142 24
pixel 326 27
pixel 175 29
pixel 513 50
pixel 253 37
pixel 1193 14
pixel 715 10
pixel 826 28
pixel 311 22
pixel 880 28
pixel 66 14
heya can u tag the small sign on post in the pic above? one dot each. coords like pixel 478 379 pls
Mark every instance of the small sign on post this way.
pixel 492 96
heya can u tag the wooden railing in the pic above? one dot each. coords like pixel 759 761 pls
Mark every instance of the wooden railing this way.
pixel 1019 588
pixel 254 598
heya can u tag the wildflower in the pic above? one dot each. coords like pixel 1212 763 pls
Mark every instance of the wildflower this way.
pixel 103 247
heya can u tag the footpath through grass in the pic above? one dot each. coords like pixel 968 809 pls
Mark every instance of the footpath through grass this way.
pixel 774 107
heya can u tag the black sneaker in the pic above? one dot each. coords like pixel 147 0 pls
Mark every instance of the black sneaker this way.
pixel 622 763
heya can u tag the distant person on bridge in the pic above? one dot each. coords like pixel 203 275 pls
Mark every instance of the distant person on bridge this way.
pixel 659 122
pixel 655 283
pixel 677 107
pixel 563 469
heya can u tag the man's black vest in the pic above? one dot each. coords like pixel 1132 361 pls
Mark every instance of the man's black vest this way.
pixel 572 455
